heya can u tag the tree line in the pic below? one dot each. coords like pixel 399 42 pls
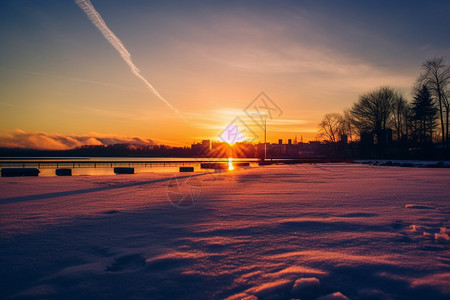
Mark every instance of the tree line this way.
pixel 384 123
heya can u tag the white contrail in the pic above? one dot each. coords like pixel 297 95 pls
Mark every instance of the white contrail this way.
pixel 98 21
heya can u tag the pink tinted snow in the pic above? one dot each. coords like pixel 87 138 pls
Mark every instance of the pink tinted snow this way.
pixel 329 231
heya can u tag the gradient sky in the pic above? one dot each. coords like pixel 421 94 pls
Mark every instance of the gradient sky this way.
pixel 61 80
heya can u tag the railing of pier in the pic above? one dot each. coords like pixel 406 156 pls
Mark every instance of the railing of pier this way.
pixel 100 164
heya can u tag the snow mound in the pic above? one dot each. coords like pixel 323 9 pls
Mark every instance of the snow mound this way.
pixel 439 281
pixel 264 289
pixel 170 261
pixel 426 234
pixel 296 270
pixel 242 296
pixel 269 287
pixel 419 206
pixel 302 283
pixel 442 235
pixel 334 296
pixel 416 227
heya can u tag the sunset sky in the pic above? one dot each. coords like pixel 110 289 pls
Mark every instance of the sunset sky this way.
pixel 62 84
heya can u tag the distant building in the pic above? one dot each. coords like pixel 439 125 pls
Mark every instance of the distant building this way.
pixel 206 148
pixel 206 144
pixel 202 148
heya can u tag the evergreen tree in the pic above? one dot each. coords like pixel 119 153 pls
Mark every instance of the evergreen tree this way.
pixel 425 115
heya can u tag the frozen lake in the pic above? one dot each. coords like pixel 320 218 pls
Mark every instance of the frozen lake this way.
pixel 325 231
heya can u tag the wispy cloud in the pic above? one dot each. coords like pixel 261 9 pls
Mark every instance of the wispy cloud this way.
pixel 294 49
pixel 98 21
pixel 54 141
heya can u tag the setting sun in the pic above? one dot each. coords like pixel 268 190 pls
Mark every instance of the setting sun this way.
pixel 230 134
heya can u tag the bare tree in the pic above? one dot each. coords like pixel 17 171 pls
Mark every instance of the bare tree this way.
pixel 400 121
pixel 408 116
pixel 348 126
pixel 331 126
pixel 373 111
pixel 436 77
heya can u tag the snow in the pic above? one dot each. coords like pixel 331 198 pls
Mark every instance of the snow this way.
pixel 440 281
pixel 442 235
pixel 407 163
pixel 306 282
pixel 419 206
pixel 334 296
pixel 328 231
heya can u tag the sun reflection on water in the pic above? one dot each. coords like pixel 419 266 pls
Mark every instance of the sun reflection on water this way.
pixel 230 164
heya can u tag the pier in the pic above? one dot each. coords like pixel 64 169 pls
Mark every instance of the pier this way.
pixel 55 164
pixel 62 163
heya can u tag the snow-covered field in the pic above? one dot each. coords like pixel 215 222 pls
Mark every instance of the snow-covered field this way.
pixel 407 163
pixel 328 231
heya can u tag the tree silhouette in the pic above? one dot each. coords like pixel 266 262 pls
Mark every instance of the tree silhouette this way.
pixel 373 111
pixel 425 115
pixel 436 76
pixel 348 126
pixel 387 123
pixel 400 116
pixel 331 127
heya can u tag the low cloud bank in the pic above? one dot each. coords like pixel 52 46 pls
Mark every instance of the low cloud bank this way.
pixel 54 141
